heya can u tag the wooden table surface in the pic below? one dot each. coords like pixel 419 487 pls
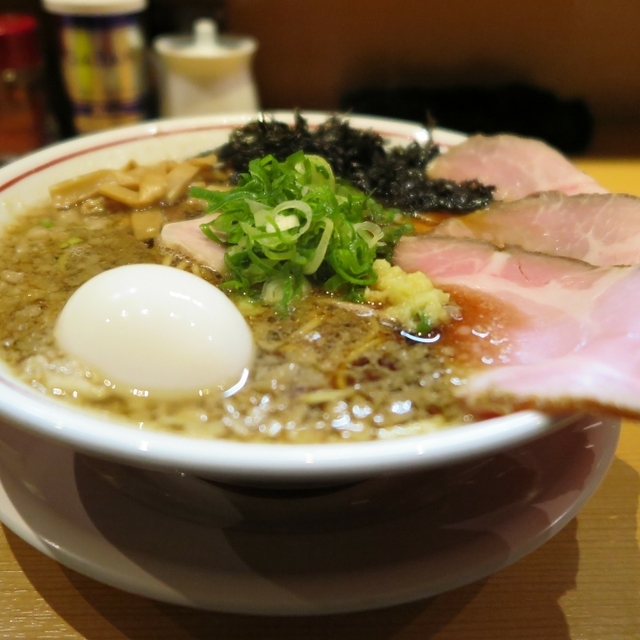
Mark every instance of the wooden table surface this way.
pixel 584 584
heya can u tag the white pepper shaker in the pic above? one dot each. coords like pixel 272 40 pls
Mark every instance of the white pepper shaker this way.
pixel 205 73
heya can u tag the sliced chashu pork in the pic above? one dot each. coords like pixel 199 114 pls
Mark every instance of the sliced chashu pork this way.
pixel 602 229
pixel 187 238
pixel 516 166
pixel 541 331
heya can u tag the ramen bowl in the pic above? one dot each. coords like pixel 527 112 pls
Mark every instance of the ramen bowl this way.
pixel 25 183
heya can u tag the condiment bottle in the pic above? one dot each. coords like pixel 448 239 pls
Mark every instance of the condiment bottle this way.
pixel 103 61
pixel 205 73
pixel 23 125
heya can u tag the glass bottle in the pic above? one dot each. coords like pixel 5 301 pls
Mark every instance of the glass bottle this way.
pixel 103 61
pixel 23 114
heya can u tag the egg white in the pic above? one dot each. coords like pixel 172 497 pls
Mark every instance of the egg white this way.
pixel 156 330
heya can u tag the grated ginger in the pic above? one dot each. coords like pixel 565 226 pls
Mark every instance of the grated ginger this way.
pixel 407 299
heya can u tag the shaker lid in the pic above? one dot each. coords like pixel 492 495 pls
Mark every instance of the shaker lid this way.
pixel 204 44
pixel 94 7
pixel 19 47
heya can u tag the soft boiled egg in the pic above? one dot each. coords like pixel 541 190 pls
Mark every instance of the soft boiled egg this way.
pixel 156 330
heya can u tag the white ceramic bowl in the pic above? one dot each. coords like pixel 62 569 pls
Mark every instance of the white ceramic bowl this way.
pixel 25 183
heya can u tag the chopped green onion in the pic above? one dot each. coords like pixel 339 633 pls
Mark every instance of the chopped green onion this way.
pixel 70 242
pixel 370 232
pixel 424 324
pixel 321 249
pixel 292 225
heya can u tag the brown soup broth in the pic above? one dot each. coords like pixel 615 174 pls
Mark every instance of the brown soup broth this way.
pixel 330 371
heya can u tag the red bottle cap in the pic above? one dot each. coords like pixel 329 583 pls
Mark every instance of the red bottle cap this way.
pixel 19 46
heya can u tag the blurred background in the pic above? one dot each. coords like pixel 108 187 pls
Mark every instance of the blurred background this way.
pixel 564 70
